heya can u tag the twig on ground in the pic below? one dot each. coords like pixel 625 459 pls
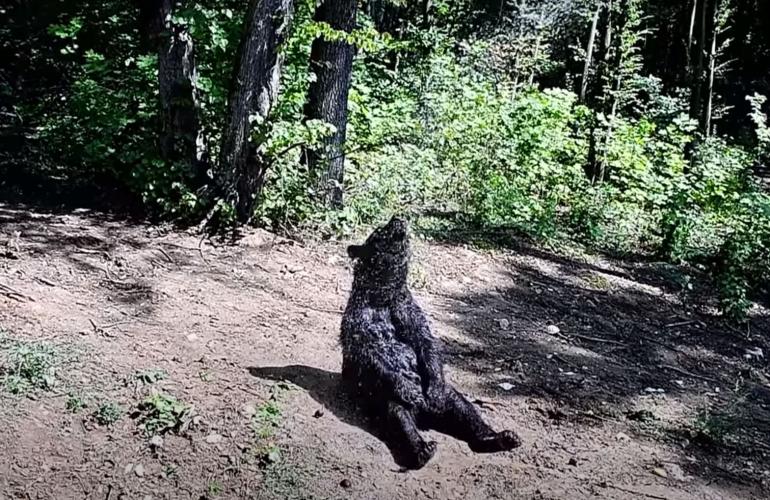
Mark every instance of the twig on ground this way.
pixel 485 403
pixel 689 374
pixel 681 323
pixel 596 417
pixel 594 339
pixel 11 296
pixel 45 281
pixel 13 293
pixel 565 361
pixel 86 250
pixel 166 255
pixel 263 268
pixel 200 250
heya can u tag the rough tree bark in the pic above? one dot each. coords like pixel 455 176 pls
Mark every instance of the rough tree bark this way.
pixel 254 91
pixel 332 62
pixel 181 141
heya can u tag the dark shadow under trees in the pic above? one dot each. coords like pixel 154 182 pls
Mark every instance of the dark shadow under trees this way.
pixel 594 351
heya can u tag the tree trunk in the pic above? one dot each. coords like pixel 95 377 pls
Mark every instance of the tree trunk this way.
pixel 332 62
pixel 254 91
pixel 589 52
pixel 699 73
pixel 535 56
pixel 691 32
pixel 181 141
pixel 708 112
pixel 385 14
pixel 599 99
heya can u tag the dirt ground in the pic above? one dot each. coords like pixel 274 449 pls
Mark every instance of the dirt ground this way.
pixel 618 387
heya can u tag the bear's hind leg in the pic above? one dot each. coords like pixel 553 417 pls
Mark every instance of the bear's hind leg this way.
pixel 414 452
pixel 463 421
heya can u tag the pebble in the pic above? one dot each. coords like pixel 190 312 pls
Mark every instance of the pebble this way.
pixel 213 438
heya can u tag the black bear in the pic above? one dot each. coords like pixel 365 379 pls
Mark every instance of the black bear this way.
pixel 392 361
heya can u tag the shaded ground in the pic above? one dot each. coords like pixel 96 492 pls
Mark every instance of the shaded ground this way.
pixel 618 389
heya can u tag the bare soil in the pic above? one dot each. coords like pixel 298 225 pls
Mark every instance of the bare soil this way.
pixel 622 383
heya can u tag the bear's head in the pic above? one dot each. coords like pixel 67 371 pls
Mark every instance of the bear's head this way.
pixel 382 262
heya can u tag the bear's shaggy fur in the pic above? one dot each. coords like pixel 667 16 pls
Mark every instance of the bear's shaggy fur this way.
pixel 392 360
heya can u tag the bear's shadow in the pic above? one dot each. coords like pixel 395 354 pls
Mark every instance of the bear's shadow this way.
pixel 329 391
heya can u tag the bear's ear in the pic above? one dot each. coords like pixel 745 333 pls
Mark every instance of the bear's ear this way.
pixel 357 251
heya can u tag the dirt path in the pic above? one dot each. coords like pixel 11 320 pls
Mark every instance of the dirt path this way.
pixel 618 390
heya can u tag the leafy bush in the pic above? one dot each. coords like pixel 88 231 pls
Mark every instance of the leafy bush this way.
pixel 440 119
pixel 27 366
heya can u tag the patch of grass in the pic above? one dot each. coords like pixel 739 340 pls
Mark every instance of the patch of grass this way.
pixel 160 413
pixel 75 403
pixel 150 376
pixel 27 366
pixel 598 281
pixel 214 488
pixel 107 413
pixel 286 480
pixel 266 419
pixel 710 429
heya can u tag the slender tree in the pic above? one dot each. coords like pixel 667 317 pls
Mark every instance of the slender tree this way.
pixel 698 72
pixel 254 91
pixel 331 61
pixel 181 141
pixel 589 51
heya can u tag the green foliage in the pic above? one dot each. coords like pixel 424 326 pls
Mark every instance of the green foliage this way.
pixel 710 429
pixel 264 422
pixel 75 403
pixel 27 366
pixel 214 488
pixel 160 413
pixel 456 117
pixel 107 413
pixel 150 376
